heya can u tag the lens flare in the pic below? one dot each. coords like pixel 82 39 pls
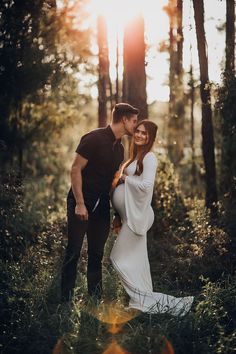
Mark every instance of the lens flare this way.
pixel 114 315
pixel 114 348
pixel 168 349
pixel 58 349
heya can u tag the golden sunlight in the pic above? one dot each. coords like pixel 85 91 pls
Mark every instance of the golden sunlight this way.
pixel 114 315
pixel 114 348
pixel 118 12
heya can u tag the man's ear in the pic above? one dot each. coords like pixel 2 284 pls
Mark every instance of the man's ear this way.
pixel 124 119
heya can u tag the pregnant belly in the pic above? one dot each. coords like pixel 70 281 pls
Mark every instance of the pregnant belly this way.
pixel 118 200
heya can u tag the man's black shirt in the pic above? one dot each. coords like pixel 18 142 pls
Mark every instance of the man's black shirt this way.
pixel 104 154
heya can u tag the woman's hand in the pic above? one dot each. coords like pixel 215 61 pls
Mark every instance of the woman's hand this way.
pixel 115 180
pixel 116 224
pixel 123 177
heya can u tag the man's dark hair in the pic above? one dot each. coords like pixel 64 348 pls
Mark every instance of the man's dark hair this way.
pixel 123 109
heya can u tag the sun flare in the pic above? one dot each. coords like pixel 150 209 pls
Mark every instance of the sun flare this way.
pixel 118 13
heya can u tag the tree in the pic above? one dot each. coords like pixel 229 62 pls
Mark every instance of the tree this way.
pixel 104 77
pixel 25 65
pixel 227 106
pixel 117 94
pixel 208 144
pixel 176 99
pixel 33 64
pixel 192 141
pixel 227 118
pixel 134 76
pixel 230 37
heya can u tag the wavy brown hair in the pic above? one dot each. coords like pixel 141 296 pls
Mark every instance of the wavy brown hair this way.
pixel 140 151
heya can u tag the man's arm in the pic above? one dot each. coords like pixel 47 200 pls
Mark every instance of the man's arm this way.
pixel 76 182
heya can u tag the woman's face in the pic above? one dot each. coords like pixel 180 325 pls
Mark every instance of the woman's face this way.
pixel 140 135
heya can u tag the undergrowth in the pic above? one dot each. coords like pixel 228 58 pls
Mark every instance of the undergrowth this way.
pixel 188 256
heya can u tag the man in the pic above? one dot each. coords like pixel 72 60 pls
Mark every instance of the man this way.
pixel 98 156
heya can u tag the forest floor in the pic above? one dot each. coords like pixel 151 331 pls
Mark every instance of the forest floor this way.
pixel 188 259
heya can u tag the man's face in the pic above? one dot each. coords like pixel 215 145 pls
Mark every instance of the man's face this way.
pixel 130 124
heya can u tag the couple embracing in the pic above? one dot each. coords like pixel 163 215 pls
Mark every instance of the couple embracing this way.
pixel 99 155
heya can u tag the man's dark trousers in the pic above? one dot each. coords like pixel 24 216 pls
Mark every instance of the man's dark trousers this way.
pixel 97 230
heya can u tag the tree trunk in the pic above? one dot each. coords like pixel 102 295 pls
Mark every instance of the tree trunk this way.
pixel 228 153
pixel 104 78
pixel 117 95
pixel 134 76
pixel 176 99
pixel 228 150
pixel 230 37
pixel 208 143
pixel 192 101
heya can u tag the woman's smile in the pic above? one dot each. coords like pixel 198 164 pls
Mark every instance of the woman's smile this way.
pixel 140 136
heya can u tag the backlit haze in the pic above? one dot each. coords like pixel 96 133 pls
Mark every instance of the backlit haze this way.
pixel 117 13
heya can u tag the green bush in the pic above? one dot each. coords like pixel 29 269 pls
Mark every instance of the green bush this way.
pixel 168 204
pixel 226 106
pixel 214 322
pixel 17 224
pixel 30 293
pixel 188 256
pixel 183 243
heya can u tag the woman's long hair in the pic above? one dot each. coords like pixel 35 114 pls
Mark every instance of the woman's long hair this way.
pixel 140 151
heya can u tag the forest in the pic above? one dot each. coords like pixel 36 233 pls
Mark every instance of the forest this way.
pixel 64 64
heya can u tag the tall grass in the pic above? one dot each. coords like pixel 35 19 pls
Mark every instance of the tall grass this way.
pixel 188 255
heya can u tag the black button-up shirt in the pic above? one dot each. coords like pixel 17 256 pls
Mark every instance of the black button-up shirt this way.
pixel 104 154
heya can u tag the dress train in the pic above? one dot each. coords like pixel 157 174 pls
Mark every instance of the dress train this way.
pixel 129 257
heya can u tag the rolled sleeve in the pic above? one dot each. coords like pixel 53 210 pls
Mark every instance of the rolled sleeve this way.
pixel 87 146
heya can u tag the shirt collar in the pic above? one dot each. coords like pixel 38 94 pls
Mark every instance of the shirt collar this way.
pixel 111 135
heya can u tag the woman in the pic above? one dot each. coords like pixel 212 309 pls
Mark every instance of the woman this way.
pixel 132 200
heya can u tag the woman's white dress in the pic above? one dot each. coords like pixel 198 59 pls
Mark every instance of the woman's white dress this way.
pixel 129 255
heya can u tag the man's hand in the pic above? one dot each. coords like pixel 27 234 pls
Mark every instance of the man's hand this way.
pixel 81 211
pixel 116 224
pixel 76 183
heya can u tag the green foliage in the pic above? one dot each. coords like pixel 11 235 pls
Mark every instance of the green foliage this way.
pixel 35 321
pixel 22 216
pixel 183 238
pixel 38 88
pixel 25 293
pixel 168 205
pixel 215 317
pixel 27 57
pixel 188 255
pixel 226 105
pixel 17 224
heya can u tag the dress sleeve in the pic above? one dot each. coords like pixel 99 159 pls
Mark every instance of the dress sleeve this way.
pixel 146 182
pixel 138 196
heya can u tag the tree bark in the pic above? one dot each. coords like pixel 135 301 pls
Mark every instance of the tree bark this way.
pixel 104 78
pixel 117 95
pixel 227 101
pixel 208 143
pixel 230 37
pixel 134 76
pixel 176 99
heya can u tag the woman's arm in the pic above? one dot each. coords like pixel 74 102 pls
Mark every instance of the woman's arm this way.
pixel 148 175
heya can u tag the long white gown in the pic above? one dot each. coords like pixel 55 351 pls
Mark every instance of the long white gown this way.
pixel 129 255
